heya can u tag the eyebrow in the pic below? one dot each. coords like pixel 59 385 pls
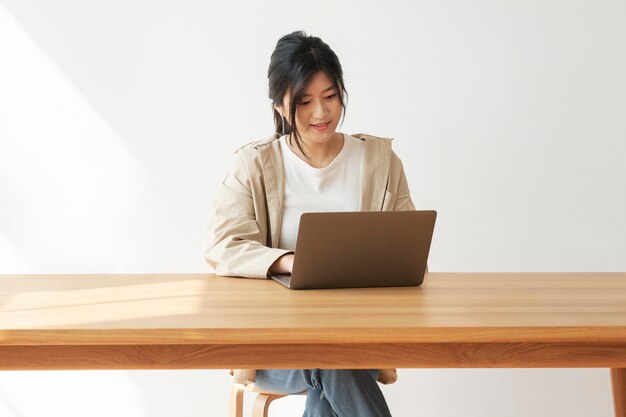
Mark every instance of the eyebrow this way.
pixel 332 87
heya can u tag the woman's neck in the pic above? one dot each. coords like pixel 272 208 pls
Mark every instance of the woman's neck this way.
pixel 318 155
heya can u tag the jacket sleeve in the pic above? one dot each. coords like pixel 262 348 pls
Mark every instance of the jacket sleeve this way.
pixel 403 202
pixel 234 245
pixel 402 193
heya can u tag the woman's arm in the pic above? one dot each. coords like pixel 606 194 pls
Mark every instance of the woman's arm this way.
pixel 235 245
pixel 403 202
pixel 400 190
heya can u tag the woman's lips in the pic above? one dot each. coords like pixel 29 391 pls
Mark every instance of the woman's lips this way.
pixel 321 126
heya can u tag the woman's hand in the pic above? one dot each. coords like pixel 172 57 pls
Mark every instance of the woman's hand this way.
pixel 282 265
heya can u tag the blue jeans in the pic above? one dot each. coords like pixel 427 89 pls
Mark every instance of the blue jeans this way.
pixel 330 392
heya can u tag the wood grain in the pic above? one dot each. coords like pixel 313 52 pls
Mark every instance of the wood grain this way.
pixel 205 309
pixel 350 356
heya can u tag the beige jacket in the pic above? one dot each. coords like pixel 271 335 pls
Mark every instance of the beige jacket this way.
pixel 244 225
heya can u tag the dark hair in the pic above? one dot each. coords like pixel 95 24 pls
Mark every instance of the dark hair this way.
pixel 295 61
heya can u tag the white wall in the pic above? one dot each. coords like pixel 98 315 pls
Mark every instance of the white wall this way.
pixel 118 119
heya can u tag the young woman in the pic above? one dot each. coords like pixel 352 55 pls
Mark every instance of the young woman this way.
pixel 306 166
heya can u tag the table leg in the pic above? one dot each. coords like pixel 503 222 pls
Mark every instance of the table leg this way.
pixel 618 381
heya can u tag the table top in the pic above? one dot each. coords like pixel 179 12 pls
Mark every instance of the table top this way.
pixel 206 309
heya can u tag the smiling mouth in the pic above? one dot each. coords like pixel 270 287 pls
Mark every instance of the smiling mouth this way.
pixel 320 125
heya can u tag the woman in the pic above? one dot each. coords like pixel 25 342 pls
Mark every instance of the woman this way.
pixel 306 166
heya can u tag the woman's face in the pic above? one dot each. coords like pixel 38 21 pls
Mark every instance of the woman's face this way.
pixel 318 112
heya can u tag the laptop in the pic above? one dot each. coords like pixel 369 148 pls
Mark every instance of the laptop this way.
pixel 361 249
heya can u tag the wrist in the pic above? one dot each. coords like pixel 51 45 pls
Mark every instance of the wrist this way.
pixel 282 265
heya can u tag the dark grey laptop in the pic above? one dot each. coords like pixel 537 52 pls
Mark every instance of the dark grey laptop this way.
pixel 361 249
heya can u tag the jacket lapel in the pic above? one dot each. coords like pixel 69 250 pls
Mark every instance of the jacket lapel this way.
pixel 376 163
pixel 273 173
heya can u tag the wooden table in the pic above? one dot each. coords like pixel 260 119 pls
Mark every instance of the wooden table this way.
pixel 454 320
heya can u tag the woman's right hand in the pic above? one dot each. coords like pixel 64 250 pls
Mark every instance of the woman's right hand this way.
pixel 282 265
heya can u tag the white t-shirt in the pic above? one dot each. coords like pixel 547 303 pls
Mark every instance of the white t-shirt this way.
pixel 336 187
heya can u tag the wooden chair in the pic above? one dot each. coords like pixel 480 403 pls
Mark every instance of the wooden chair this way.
pixel 261 403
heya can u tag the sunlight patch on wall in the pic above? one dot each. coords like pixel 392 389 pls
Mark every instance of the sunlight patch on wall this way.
pixel 71 186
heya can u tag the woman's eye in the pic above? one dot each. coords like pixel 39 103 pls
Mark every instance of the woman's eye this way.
pixel 304 103
pixel 331 96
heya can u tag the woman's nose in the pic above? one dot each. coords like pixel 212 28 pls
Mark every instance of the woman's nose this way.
pixel 320 110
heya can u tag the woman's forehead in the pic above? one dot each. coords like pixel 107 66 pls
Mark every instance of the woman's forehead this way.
pixel 321 83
